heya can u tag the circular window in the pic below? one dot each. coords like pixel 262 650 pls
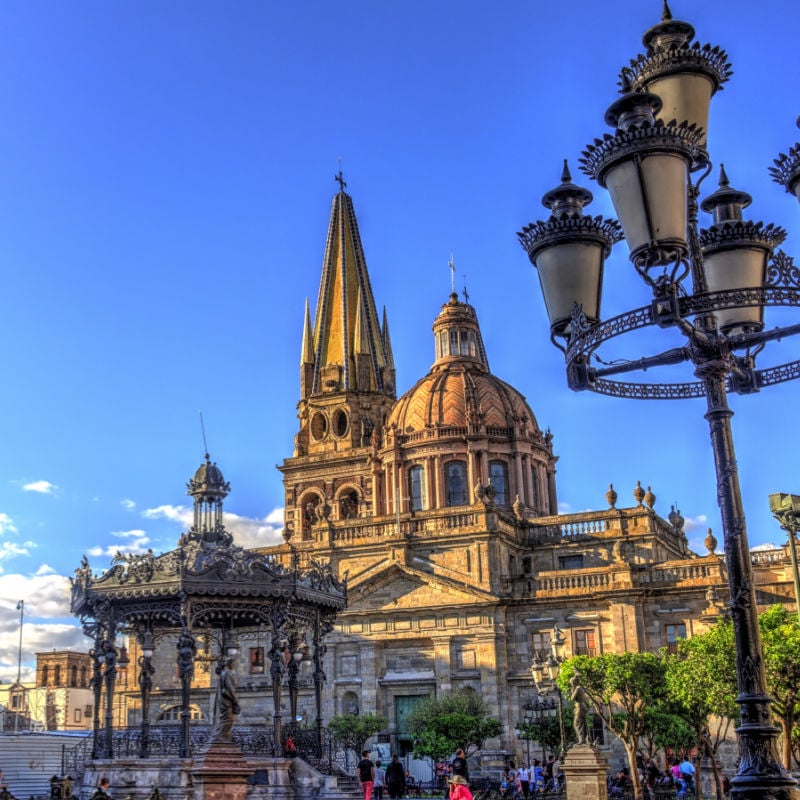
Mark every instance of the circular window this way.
pixel 340 423
pixel 319 425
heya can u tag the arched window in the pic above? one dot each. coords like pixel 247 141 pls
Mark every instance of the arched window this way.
pixel 308 515
pixel 57 675
pixel 173 713
pixel 45 675
pixel 498 477
pixel 348 504
pixel 416 488
pixel 455 483
pixel 73 675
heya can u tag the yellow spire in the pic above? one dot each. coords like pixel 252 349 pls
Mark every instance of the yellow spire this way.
pixel 307 348
pixel 346 321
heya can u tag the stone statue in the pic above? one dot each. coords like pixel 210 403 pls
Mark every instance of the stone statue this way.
pixel 227 704
pixel 579 697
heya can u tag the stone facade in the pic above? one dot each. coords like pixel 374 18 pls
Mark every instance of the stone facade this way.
pixel 442 513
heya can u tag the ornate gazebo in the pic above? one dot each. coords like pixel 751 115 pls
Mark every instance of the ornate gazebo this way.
pixel 207 589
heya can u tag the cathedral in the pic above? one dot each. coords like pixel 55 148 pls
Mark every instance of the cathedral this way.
pixel 440 508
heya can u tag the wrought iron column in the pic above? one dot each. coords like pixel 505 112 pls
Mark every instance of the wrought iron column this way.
pixel 293 667
pixel 276 669
pixel 98 657
pixel 187 648
pixel 760 773
pixel 319 674
pixel 146 671
pixel 110 676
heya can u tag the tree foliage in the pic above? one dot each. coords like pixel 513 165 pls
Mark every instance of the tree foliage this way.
pixel 355 729
pixel 780 634
pixel 701 680
pixel 442 724
pixel 621 688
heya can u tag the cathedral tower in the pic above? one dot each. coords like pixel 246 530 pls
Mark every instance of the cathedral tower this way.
pixel 347 386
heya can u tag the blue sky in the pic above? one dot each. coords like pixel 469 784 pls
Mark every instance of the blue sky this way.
pixel 165 184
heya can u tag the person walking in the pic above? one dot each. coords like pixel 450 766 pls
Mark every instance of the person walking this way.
pixel 524 780
pixel 366 774
pixel 395 778
pixel 460 766
pixel 380 781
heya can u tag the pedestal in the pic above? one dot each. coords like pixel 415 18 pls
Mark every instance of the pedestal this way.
pixel 586 773
pixel 221 773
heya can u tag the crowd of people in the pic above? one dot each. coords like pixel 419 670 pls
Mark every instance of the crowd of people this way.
pixel 530 780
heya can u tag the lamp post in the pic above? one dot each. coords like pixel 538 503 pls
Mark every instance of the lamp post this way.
pixel 711 286
pixel 524 728
pixel 545 674
pixel 786 509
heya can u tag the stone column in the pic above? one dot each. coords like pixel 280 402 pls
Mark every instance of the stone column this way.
pixel 585 771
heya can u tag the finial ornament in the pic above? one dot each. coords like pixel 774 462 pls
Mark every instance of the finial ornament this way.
pixel 649 498
pixel 638 493
pixel 339 178
pixel 452 265
pixel 611 496
pixel 710 542
pixel 666 14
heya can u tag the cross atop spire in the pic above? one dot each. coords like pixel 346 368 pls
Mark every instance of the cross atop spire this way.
pixel 340 180
pixel 452 266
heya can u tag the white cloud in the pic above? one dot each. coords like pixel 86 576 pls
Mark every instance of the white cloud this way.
pixel 246 531
pixel 249 532
pixel 7 524
pixel 128 504
pixel 9 550
pixel 693 523
pixel 46 622
pixel 564 508
pixel 135 542
pixel 42 487
pixel 181 514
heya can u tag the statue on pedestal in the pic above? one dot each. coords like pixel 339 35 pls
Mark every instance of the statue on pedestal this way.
pixel 579 697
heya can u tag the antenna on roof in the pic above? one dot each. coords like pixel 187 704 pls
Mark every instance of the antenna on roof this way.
pixel 452 266
pixel 203 429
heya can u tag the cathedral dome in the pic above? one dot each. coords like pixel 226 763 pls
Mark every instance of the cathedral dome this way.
pixel 459 391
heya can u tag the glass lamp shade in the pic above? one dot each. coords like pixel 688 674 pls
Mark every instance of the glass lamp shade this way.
pixel 649 192
pixel 784 502
pixel 570 273
pixel 147 652
pixel 686 97
pixel 739 268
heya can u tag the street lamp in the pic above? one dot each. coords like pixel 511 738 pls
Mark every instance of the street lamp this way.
pixel 712 286
pixel 786 509
pixel 524 729
pixel 545 678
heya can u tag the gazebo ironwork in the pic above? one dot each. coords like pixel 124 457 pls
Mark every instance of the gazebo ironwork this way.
pixel 209 588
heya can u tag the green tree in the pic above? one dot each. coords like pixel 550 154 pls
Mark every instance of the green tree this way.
pixel 355 729
pixel 780 635
pixel 546 730
pixel 621 688
pixel 442 724
pixel 701 680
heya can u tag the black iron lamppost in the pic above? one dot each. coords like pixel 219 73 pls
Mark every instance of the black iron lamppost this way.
pixel 524 728
pixel 710 286
pixel 786 509
pixel 545 673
